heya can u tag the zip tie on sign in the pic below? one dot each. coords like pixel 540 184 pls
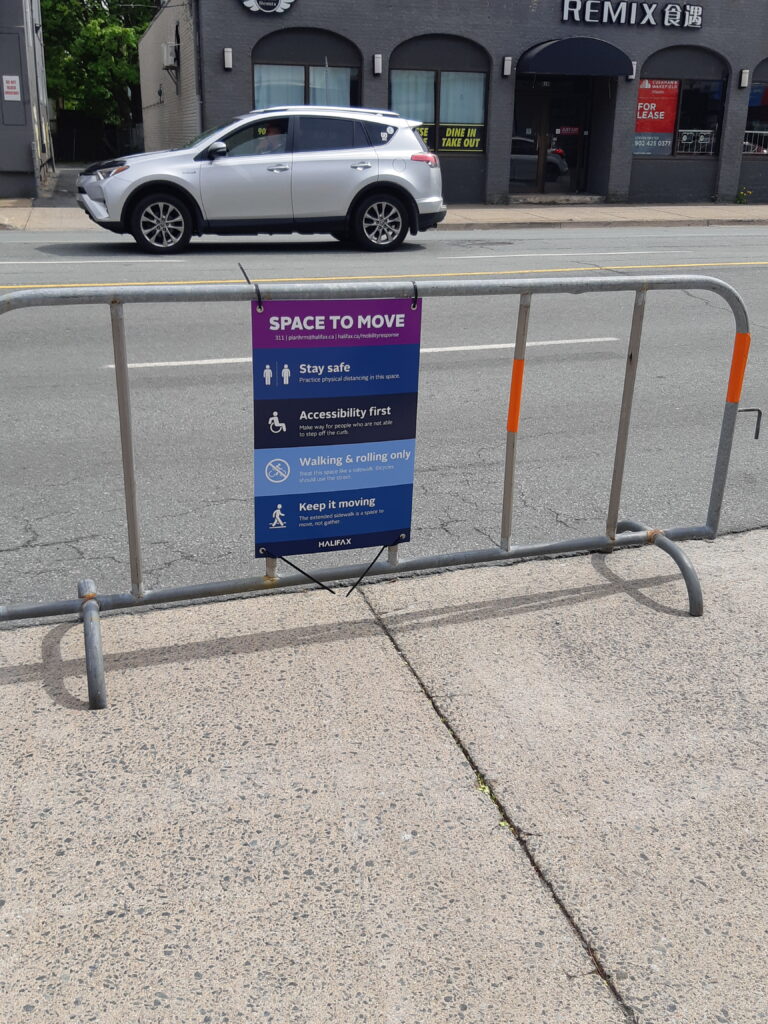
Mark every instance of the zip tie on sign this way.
pixel 253 284
pixel 298 569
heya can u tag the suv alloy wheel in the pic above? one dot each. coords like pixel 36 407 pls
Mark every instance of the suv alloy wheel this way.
pixel 161 223
pixel 380 222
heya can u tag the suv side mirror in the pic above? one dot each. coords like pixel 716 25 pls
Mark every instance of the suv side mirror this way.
pixel 217 149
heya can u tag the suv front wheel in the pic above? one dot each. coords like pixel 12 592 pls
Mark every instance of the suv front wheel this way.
pixel 380 222
pixel 161 223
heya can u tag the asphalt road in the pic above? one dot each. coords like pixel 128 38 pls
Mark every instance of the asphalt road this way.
pixel 61 507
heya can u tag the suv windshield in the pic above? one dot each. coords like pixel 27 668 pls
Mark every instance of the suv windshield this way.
pixel 202 136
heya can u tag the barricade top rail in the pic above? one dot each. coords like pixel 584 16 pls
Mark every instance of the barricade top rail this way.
pixel 382 289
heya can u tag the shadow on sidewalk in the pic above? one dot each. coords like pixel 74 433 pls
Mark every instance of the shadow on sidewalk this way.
pixel 53 670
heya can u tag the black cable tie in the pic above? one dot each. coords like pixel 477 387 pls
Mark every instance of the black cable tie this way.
pixel 242 271
pixel 299 570
pixel 415 300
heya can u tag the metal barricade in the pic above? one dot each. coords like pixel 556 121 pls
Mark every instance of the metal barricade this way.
pixel 618 533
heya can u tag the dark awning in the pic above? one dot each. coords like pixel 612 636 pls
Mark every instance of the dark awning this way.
pixel 576 55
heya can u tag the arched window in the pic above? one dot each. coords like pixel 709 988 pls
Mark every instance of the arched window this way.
pixel 681 99
pixel 756 133
pixel 442 81
pixel 299 66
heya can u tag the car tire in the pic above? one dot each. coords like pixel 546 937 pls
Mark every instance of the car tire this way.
pixel 552 172
pixel 380 222
pixel 161 223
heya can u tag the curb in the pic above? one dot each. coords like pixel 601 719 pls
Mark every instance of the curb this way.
pixel 634 223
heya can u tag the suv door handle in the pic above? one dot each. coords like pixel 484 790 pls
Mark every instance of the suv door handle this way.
pixel 360 167
pixel 277 168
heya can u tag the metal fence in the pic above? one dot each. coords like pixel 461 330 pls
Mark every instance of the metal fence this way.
pixel 618 533
pixel 692 141
pixel 756 143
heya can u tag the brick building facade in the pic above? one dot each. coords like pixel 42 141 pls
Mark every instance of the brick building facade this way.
pixel 634 101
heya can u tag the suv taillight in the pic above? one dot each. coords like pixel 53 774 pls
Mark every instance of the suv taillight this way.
pixel 426 158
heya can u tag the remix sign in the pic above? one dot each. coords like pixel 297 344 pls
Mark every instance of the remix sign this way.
pixel 335 388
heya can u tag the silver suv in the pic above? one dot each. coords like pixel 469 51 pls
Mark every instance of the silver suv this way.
pixel 360 175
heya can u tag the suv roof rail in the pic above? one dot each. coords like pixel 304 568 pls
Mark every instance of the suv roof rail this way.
pixel 313 108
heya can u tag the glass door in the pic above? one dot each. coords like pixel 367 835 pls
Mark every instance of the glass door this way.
pixel 551 135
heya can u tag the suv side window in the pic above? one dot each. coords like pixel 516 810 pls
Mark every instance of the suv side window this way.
pixel 380 134
pixel 523 146
pixel 323 133
pixel 260 137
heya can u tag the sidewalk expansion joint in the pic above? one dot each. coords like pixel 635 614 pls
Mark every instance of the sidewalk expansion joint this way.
pixel 506 821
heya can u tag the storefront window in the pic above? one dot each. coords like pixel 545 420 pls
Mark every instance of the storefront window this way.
pixel 701 113
pixel 679 117
pixel 413 95
pixel 450 103
pixel 756 134
pixel 279 85
pixel 330 87
pixel 462 97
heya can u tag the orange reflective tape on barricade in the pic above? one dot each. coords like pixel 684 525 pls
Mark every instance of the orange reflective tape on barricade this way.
pixel 738 367
pixel 515 396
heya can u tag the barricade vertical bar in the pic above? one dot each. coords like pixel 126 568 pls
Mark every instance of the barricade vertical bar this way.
pixel 732 399
pixel 126 443
pixel 94 658
pixel 271 569
pixel 513 417
pixel 393 554
pixel 625 416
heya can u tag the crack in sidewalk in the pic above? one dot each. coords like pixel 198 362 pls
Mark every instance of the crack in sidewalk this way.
pixel 520 835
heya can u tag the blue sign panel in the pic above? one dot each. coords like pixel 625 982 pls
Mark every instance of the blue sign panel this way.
pixel 335 387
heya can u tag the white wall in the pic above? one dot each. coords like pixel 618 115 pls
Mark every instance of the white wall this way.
pixel 174 118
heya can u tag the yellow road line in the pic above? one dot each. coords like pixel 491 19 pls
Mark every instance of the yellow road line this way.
pixel 393 277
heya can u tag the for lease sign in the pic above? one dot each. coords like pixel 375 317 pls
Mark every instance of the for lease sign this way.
pixel 656 116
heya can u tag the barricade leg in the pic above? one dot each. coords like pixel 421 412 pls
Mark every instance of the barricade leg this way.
pixel 513 418
pixel 94 658
pixel 695 595
pixel 630 373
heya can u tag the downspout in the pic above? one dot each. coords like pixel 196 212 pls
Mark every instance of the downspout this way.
pixel 198 60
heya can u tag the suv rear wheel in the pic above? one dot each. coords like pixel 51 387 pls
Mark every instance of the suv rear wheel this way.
pixel 380 222
pixel 161 223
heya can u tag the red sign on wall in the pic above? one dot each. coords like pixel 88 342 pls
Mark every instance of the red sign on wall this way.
pixel 656 116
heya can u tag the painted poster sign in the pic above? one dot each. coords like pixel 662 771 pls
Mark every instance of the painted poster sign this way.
pixel 656 117
pixel 462 138
pixel 11 87
pixel 428 133
pixel 335 387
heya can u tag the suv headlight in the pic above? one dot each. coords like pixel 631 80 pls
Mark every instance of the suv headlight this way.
pixel 110 172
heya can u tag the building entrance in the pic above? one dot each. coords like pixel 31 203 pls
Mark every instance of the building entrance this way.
pixel 550 146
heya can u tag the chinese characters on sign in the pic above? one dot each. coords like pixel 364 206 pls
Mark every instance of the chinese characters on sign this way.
pixel 656 116
pixel 633 12
pixel 335 390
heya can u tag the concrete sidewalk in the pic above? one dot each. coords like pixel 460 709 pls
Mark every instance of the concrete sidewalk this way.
pixel 505 795
pixel 71 218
